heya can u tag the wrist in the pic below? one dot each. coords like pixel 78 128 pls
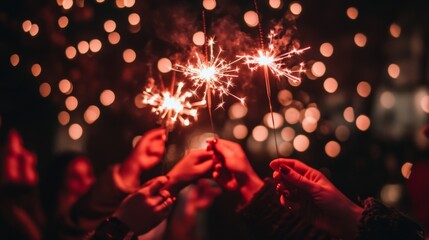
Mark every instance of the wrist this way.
pixel 352 221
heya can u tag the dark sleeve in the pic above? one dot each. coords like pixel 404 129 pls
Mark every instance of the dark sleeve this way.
pixel 267 219
pixel 381 222
pixel 99 203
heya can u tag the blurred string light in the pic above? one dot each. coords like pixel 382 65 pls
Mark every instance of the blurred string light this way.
pixel 342 133
pixel 276 4
pixel 114 38
pixel 14 60
pixel 75 131
pixel 406 170
pixel 393 70
pixel 107 97
pixel 129 55
pixel 134 19
pixel 63 118
pixel 63 21
pixel 287 134
pixel 71 103
pixel 260 133
pixel 164 65
pixel 363 122
pixel 332 149
pixel 109 26
pixel 352 13
pixel 237 111
pixel 360 39
pixel 95 45
pixel 91 114
pixel 330 85
pixel 295 8
pixel 285 97
pixel 395 30
pixel 45 89
pixel 83 47
pixel 318 69
pixel 301 143
pixel 278 120
pixel 71 52
pixel 391 194
pixel 349 114
pixel 240 131
pixel 326 49
pixel 251 18
pixel 36 69
pixel 387 99
pixel 198 38
pixel 209 4
pixel 65 86
pixel 363 89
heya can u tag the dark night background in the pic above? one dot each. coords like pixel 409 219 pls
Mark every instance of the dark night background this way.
pixel 368 161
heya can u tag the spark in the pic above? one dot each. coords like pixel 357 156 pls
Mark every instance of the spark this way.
pixel 275 61
pixel 213 74
pixel 171 107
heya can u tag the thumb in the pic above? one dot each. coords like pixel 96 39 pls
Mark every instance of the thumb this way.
pixel 292 177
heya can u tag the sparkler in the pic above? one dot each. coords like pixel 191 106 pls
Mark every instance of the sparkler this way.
pixel 171 107
pixel 213 73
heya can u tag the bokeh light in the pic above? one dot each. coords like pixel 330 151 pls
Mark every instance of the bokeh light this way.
pixel 240 131
pixel 390 194
pixel 278 120
pixel 36 69
pixel 330 85
pixel 393 70
pixel 107 97
pixel 237 111
pixel 209 4
pixel 285 149
pixel 63 21
pixel 109 26
pixel 295 8
pixel 285 97
pixel 95 45
pixel 34 30
pixel 260 133
pixel 395 30
pixel 71 52
pixel 326 49
pixel 363 89
pixel 129 3
pixel 312 112
pixel 134 19
pixel 424 103
pixel 14 59
pixel 318 69
pixel 198 38
pixel 352 13
pixel 75 131
pixel 63 118
pixel 332 149
pixel 83 47
pixel 129 55
pixel 275 3
pixel 360 40
pixel 26 25
pixel 251 18
pixel 301 143
pixel 349 114
pixel 91 114
pixel 164 65
pixel 387 99
pixel 342 133
pixel 71 103
pixel 45 89
pixel 114 38
pixel 67 4
pixel 363 122
pixel 309 124
pixel 288 134
pixel 65 86
pixel 292 115
pixel 406 170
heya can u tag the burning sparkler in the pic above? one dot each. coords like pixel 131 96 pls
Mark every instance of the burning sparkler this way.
pixel 213 73
pixel 171 107
pixel 274 61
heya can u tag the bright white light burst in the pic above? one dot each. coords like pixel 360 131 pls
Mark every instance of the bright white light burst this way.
pixel 274 61
pixel 172 107
pixel 214 74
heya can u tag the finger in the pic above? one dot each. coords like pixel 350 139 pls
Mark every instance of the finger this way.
pixel 291 177
pixel 297 165
pixel 204 167
pixel 165 206
pixel 201 155
pixel 157 184
pixel 164 194
pixel 158 133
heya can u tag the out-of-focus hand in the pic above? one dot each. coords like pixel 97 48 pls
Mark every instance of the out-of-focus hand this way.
pixel 193 166
pixel 146 208
pixel 19 164
pixel 232 170
pixel 320 201
pixel 146 154
pixel 202 195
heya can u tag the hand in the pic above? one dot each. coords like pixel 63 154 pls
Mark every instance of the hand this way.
pixel 194 165
pixel 146 154
pixel 19 164
pixel 232 169
pixel 323 203
pixel 146 208
pixel 201 196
